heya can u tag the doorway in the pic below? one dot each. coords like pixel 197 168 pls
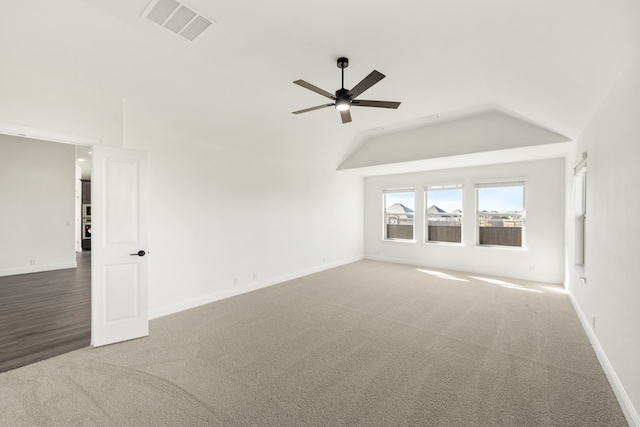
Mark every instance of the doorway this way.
pixel 45 281
pixel 119 267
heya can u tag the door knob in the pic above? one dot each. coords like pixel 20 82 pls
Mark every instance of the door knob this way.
pixel 139 253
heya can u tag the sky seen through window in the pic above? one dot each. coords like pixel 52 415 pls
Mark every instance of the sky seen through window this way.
pixel 499 199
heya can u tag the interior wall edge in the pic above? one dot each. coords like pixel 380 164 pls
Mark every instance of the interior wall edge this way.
pixel 629 410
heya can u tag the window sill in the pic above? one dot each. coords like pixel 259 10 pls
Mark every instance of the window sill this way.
pixel 399 240
pixel 502 248
pixel 433 242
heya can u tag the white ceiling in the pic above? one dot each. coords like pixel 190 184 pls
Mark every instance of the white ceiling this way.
pixel 549 61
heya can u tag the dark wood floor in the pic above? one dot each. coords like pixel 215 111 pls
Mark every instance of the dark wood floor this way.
pixel 45 314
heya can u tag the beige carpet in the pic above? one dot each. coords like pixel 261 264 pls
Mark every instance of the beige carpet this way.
pixel 367 344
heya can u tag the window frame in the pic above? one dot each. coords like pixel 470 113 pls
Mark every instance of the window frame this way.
pixel 385 192
pixel 427 215
pixel 580 212
pixel 515 182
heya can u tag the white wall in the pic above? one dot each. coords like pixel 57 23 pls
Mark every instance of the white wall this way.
pixel 59 107
pixel 37 208
pixel 219 214
pixel 541 259
pixel 612 290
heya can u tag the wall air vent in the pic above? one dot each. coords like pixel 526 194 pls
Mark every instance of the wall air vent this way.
pixel 177 18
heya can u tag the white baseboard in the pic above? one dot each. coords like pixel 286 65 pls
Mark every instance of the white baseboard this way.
pixel 465 269
pixel 398 261
pixel 630 412
pixel 459 268
pixel 37 268
pixel 238 290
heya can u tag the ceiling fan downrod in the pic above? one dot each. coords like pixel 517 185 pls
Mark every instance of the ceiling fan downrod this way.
pixel 342 64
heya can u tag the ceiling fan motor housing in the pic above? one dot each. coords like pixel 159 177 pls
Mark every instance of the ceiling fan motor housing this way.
pixel 343 94
pixel 343 62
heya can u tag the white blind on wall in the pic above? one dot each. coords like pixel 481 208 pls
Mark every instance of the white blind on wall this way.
pixel 398 190
pixel 580 213
pixel 443 187
pixel 500 184
pixel 581 164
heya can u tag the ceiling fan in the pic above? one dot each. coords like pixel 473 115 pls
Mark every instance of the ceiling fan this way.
pixel 345 98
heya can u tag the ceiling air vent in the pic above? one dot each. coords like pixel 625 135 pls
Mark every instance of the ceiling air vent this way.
pixel 177 18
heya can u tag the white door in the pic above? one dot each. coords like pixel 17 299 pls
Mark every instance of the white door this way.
pixel 119 306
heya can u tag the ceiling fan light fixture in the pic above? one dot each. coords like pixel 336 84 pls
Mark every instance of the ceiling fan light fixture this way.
pixel 344 99
pixel 343 104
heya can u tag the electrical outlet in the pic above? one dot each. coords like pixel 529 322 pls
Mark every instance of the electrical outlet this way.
pixel 593 321
pixel 255 276
pixel 32 262
pixel 532 268
pixel 235 281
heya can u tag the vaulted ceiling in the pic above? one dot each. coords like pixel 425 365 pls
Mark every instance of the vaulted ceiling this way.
pixel 547 62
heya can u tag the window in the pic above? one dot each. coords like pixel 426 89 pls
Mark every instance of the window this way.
pixel 443 213
pixel 398 214
pixel 580 209
pixel 500 208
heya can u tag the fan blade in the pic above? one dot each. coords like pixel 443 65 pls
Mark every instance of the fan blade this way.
pixel 315 89
pixel 312 108
pixel 379 104
pixel 367 82
pixel 345 116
